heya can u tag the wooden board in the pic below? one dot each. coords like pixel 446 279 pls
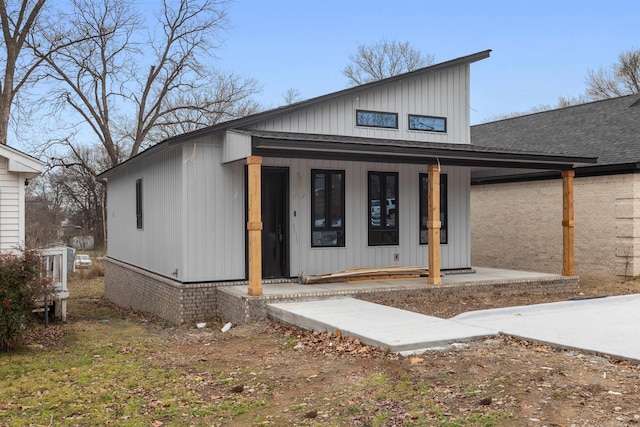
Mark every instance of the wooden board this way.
pixel 366 275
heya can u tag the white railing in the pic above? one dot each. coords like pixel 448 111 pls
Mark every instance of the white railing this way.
pixel 56 265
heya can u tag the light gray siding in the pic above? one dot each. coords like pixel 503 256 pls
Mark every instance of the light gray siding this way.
pixel 157 246
pixel 357 253
pixel 236 146
pixel 193 214
pixel 442 94
pixel 214 214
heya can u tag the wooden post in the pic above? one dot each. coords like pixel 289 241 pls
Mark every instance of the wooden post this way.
pixel 254 225
pixel 433 224
pixel 568 224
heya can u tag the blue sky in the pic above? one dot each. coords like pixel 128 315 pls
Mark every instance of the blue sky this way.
pixel 541 49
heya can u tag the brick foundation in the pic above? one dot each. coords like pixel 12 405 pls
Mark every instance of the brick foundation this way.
pixel 131 287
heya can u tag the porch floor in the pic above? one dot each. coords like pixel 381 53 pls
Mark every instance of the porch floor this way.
pixel 481 275
pixel 235 305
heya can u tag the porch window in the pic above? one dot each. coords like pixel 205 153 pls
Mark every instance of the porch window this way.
pixel 383 211
pixel 139 203
pixel 327 208
pixel 424 181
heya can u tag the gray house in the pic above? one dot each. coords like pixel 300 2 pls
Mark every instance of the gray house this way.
pixel 514 212
pixel 370 176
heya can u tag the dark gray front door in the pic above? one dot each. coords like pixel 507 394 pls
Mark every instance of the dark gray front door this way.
pixel 275 222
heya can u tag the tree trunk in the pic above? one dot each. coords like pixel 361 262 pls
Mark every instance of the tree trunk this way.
pixel 4 122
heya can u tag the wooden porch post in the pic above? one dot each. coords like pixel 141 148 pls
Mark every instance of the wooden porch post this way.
pixel 433 224
pixel 568 224
pixel 254 226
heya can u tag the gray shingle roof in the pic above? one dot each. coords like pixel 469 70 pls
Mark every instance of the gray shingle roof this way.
pixel 608 129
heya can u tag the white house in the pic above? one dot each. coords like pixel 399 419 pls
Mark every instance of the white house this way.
pixel 16 169
pixel 336 182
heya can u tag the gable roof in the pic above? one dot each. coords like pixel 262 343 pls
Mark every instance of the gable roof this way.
pixel 19 162
pixel 607 129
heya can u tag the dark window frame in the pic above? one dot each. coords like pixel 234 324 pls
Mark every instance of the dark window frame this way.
pixel 410 116
pixel 327 227
pixel 385 113
pixel 390 233
pixel 444 209
pixel 139 216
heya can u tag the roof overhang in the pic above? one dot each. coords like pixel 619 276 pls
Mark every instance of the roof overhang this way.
pixel 19 162
pixel 581 171
pixel 296 145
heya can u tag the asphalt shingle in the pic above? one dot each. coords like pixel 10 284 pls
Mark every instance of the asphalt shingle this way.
pixel 607 129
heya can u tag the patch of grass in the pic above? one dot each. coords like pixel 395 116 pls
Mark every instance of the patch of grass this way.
pixel 80 288
pixel 289 342
pixel 106 373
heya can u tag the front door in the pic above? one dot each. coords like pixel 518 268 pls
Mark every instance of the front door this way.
pixel 275 222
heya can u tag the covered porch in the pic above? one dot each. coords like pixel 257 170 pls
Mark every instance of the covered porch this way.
pixel 433 156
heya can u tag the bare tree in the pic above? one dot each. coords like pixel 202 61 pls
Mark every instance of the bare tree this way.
pixel 568 101
pixel 127 81
pixel 623 78
pixel 44 212
pixel 291 96
pixel 17 19
pixel 228 98
pixel 83 195
pixel 384 59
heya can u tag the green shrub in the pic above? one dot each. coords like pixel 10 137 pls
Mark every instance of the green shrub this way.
pixel 22 282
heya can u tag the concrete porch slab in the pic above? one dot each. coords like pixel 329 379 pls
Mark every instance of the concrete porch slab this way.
pixel 236 306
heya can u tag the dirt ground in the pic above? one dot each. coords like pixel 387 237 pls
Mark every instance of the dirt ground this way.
pixel 306 378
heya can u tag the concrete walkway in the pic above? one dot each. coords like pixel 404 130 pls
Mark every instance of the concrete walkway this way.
pixel 605 325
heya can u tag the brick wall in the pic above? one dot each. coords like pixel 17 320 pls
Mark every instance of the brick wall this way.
pixel 131 287
pixel 518 225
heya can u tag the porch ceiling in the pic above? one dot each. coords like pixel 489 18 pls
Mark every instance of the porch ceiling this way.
pixel 336 147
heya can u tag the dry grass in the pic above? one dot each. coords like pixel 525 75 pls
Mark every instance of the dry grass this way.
pixel 112 367
pixel 96 270
pixel 607 285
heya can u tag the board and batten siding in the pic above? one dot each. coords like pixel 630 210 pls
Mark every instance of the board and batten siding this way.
pixel 213 213
pixel 357 252
pixel 442 94
pixel 11 208
pixel 157 246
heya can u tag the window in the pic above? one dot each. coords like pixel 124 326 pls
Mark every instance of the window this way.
pixel 424 181
pixel 376 119
pixel 383 211
pixel 139 203
pixel 327 208
pixel 427 123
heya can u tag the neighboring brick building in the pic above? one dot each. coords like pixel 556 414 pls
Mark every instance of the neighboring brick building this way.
pixel 516 215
